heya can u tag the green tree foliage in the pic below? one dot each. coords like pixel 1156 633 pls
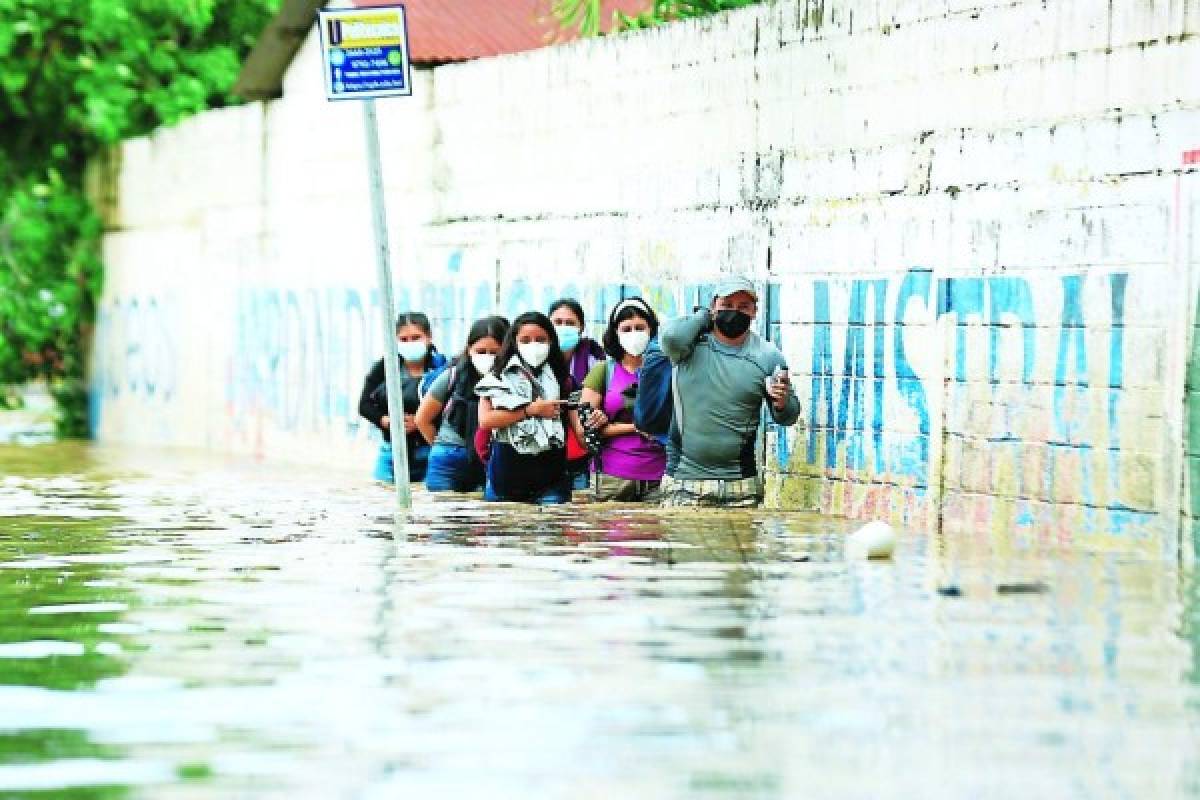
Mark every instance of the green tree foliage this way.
pixel 586 16
pixel 77 76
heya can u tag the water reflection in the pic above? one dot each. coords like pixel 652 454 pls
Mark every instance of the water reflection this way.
pixel 199 628
pixel 58 601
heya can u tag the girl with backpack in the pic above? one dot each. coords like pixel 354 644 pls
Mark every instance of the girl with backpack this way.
pixel 630 464
pixel 454 462
pixel 419 362
pixel 521 402
pixel 582 353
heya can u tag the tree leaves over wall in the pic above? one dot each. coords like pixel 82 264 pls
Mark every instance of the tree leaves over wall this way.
pixel 77 76
pixel 587 16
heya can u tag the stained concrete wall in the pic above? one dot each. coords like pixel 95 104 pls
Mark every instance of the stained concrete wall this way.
pixel 974 223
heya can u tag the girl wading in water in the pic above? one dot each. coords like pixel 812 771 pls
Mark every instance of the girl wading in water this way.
pixel 521 402
pixel 419 359
pixel 454 464
pixel 629 465
pixel 582 353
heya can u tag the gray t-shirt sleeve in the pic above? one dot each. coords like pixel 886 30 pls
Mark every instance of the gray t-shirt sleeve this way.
pixel 440 388
pixel 679 336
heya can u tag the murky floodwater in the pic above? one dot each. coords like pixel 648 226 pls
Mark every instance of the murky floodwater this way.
pixel 174 628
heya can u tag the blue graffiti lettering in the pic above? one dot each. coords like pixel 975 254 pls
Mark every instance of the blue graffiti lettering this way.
pixel 912 457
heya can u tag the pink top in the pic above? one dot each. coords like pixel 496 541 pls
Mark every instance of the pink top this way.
pixel 630 456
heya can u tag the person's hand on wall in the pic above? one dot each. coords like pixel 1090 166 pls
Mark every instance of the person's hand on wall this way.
pixel 385 422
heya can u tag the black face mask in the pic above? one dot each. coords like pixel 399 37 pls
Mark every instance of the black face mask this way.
pixel 732 323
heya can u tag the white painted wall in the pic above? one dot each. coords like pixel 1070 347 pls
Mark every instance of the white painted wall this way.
pixel 996 185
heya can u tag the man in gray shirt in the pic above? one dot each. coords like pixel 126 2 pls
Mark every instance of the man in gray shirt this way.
pixel 724 373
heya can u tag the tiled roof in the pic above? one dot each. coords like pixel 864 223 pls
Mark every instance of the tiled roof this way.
pixel 458 30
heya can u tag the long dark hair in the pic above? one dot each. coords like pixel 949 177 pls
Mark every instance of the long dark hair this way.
pixel 493 327
pixel 627 309
pixel 576 309
pixel 419 320
pixel 556 360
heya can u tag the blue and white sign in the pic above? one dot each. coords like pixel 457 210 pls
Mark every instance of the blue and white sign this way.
pixel 364 52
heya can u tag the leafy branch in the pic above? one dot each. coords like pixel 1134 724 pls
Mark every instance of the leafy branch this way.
pixel 585 17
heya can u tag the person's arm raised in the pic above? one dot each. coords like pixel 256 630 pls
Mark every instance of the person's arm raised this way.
pixel 678 337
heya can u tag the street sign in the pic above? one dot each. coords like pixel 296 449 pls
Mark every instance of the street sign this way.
pixel 365 52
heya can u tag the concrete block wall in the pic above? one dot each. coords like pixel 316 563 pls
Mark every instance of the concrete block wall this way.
pixel 974 223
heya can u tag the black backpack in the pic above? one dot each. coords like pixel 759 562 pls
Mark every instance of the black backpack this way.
pixel 461 411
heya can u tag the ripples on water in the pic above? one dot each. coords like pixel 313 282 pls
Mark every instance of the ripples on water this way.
pixel 184 629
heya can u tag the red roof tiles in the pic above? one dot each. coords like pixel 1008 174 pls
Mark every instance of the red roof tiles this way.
pixel 457 30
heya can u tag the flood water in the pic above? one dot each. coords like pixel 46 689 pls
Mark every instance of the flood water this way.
pixel 172 627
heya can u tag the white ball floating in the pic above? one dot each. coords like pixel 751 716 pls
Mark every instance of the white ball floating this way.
pixel 874 540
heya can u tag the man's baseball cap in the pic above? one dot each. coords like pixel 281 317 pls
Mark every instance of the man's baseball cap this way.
pixel 734 284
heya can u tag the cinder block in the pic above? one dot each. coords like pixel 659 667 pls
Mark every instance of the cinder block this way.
pixel 1139 23
pixel 1082 27
pixel 1034 478
pixel 1005 468
pixel 975 475
pixel 1139 481
pixel 1067 468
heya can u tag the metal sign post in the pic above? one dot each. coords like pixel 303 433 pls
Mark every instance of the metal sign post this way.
pixel 365 55
pixel 391 358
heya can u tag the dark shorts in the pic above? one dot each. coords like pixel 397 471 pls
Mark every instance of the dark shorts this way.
pixel 540 478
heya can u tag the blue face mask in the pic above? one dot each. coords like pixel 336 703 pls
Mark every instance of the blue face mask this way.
pixel 568 336
pixel 413 351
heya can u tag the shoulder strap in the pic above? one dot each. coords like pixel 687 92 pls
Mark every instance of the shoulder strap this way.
pixel 677 404
pixel 425 385
pixel 534 383
pixel 609 369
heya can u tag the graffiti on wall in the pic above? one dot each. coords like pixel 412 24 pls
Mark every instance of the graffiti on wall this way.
pixel 297 356
pixel 997 361
pixel 893 363
pixel 136 352
pixel 292 359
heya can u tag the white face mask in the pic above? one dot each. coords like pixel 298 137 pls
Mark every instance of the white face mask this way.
pixel 413 351
pixel 534 353
pixel 634 342
pixel 483 362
